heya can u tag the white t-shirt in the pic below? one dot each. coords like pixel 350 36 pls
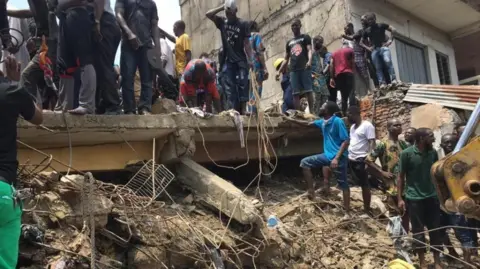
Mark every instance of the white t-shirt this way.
pixel 167 54
pixel 359 140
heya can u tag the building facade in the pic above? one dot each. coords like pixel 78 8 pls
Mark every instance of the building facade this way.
pixel 423 50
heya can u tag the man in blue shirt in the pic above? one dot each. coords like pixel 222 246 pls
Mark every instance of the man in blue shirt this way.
pixel 335 144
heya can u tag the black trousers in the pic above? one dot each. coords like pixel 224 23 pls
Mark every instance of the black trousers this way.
pixel 425 213
pixel 107 97
pixel 344 82
pixel 168 85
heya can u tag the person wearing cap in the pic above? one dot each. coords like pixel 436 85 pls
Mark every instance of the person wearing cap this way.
pixel 235 35
pixel 286 87
pixel 199 77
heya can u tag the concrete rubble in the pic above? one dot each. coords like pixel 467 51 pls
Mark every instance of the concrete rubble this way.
pixel 185 233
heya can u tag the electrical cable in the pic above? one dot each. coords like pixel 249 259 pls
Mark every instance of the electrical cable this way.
pixel 18 44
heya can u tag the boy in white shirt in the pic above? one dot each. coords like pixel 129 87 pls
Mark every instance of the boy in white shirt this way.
pixel 362 142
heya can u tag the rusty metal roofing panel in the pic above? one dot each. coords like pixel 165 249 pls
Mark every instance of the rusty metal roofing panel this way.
pixel 462 97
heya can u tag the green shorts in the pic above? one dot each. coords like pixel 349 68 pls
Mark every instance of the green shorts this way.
pixel 10 222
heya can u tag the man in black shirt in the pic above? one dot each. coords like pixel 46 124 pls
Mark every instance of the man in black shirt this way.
pixel 138 20
pixel 375 33
pixel 14 102
pixel 237 52
pixel 299 54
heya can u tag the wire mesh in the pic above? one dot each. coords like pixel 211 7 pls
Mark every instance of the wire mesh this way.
pixel 149 182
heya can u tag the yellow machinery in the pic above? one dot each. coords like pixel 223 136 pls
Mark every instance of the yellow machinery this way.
pixel 457 176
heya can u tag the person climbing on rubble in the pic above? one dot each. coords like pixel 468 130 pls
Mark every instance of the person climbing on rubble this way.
pixel 320 89
pixel 298 55
pixel 420 194
pixel 235 35
pixel 139 23
pixel 327 57
pixel 76 48
pixel 342 68
pixel 286 87
pixel 362 142
pixel 259 68
pixel 375 33
pixel 467 237
pixel 410 136
pixel 15 102
pixel 388 152
pixel 199 77
pixel 335 155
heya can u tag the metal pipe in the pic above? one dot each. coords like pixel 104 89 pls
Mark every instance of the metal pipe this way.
pixel 469 128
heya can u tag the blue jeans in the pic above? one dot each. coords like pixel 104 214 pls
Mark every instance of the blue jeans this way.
pixel 321 160
pixel 260 77
pixel 467 237
pixel 287 94
pixel 236 88
pixel 382 56
pixel 129 61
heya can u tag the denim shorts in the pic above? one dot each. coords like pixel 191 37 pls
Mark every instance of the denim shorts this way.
pixel 321 160
pixel 301 81
pixel 467 237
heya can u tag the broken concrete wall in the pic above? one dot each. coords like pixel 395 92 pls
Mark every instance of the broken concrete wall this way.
pixel 319 17
pixel 384 108
pixel 408 29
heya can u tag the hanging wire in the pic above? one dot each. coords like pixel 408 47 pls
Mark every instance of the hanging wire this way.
pixel 18 43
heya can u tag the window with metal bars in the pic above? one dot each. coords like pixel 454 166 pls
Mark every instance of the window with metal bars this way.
pixel 443 69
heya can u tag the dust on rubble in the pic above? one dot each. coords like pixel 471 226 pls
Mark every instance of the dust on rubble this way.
pixel 187 235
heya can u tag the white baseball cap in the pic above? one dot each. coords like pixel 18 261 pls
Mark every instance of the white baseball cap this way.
pixel 231 5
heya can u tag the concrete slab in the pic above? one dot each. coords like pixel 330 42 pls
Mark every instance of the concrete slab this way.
pixel 216 192
pixel 101 142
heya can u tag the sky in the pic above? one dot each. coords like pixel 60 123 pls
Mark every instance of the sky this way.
pixel 168 13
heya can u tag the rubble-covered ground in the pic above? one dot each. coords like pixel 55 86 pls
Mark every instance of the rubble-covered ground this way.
pixel 179 232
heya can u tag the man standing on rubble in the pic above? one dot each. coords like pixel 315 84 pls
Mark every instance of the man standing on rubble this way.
pixel 238 53
pixel 388 152
pixel 139 23
pixel 381 55
pixel 362 142
pixel 342 66
pixel 15 102
pixel 334 156
pixel 259 68
pixel 76 50
pixel 108 100
pixel 420 194
pixel 298 54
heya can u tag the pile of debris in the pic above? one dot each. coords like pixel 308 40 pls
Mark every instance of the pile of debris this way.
pixel 182 233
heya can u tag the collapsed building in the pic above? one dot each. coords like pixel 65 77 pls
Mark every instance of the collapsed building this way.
pixel 135 191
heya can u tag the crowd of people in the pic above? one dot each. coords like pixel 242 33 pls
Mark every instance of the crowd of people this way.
pixel 403 173
pixel 81 51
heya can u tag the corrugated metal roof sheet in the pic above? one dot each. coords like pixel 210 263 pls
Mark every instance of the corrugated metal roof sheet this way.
pixel 462 97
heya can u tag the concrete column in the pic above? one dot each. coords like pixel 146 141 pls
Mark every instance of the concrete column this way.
pixel 216 192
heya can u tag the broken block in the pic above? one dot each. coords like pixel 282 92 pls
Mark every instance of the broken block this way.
pixel 216 192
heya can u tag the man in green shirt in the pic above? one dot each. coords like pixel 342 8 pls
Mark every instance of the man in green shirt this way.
pixel 419 192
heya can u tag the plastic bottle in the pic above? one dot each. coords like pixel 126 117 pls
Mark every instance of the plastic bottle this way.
pixel 272 222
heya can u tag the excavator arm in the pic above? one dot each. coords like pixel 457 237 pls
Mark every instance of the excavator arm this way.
pixel 457 176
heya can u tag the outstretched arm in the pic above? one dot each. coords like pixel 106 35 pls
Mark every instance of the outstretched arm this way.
pixel 21 13
pixel 212 13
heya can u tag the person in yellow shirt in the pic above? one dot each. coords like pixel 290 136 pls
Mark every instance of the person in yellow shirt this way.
pixel 183 47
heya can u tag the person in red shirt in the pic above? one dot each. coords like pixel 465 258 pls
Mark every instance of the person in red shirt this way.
pixel 199 78
pixel 342 66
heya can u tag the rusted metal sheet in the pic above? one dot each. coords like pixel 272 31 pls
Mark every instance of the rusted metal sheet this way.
pixel 462 97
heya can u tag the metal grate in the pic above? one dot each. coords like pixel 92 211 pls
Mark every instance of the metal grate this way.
pixel 443 69
pixel 149 182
